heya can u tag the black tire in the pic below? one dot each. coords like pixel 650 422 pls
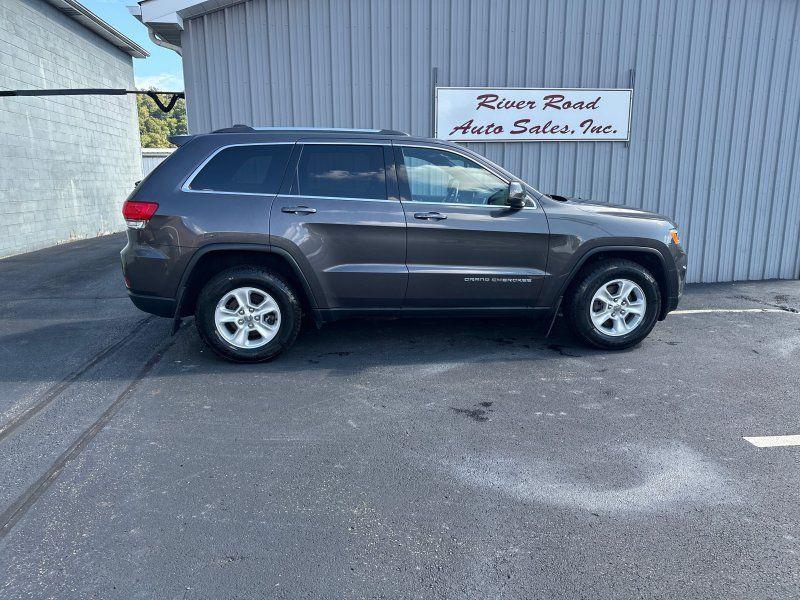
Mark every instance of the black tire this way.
pixel 257 277
pixel 579 302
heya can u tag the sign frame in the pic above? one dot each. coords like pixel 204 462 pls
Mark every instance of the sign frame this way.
pixel 504 140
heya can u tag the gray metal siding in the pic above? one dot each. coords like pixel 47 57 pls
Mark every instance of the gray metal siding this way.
pixel 152 157
pixel 715 116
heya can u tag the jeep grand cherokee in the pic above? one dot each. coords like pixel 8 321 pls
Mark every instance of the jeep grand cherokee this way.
pixel 250 230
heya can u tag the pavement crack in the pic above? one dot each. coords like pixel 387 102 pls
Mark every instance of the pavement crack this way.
pixel 11 516
pixel 784 307
pixel 56 390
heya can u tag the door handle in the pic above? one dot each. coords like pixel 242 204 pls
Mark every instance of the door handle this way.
pixel 299 210
pixel 430 216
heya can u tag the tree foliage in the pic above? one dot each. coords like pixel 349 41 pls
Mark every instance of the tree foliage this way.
pixel 156 126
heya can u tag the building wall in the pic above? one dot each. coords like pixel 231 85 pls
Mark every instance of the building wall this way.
pixel 717 94
pixel 152 157
pixel 66 162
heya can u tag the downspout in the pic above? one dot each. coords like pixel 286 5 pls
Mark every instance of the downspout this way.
pixel 163 43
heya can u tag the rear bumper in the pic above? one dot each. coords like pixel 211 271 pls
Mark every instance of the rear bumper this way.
pixel 155 305
pixel 152 274
pixel 153 270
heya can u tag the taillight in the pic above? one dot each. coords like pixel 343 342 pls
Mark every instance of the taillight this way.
pixel 137 214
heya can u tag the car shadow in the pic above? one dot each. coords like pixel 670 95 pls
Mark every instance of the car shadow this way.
pixel 349 347
pixel 343 348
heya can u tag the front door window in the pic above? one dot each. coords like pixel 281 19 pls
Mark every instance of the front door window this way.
pixel 440 176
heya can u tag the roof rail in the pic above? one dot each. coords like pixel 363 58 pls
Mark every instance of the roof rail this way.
pixel 235 129
pixel 248 129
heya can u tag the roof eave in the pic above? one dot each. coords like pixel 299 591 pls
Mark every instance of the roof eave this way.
pixel 81 14
pixel 165 17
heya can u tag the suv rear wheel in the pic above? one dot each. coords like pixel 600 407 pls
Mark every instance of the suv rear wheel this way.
pixel 615 304
pixel 248 314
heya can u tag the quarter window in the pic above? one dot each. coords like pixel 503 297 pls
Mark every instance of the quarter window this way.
pixel 439 176
pixel 341 171
pixel 254 169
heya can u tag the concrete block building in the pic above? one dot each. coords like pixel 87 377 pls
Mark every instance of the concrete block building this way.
pixel 66 162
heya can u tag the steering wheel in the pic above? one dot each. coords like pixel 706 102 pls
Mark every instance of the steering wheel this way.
pixel 499 198
pixel 453 188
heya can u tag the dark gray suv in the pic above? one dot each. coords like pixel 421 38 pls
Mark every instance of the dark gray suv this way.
pixel 250 229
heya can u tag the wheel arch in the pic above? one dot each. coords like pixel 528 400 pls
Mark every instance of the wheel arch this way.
pixel 214 258
pixel 648 257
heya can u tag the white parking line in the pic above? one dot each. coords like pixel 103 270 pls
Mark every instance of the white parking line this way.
pixel 698 311
pixel 770 441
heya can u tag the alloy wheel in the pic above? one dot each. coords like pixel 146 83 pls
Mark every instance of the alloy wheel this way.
pixel 247 317
pixel 618 307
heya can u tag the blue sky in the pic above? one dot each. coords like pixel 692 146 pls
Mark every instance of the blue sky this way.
pixel 162 69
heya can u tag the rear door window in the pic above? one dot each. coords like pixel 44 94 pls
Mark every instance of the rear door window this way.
pixel 252 169
pixel 341 171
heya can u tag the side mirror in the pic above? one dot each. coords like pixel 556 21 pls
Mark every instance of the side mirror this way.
pixel 516 195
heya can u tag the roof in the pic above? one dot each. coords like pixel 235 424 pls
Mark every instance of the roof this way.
pixel 165 17
pixel 78 12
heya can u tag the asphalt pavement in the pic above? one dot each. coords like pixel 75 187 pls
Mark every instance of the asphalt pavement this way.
pixel 462 458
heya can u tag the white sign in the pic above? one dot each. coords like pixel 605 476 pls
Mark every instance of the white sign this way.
pixel 527 114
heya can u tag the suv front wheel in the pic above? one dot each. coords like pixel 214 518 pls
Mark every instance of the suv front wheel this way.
pixel 615 304
pixel 248 314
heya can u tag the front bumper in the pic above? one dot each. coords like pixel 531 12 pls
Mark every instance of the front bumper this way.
pixel 677 281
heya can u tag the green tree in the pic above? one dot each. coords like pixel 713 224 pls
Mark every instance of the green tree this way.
pixel 155 126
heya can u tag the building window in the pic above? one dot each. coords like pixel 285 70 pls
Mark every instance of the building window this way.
pixel 341 171
pixel 445 177
pixel 255 169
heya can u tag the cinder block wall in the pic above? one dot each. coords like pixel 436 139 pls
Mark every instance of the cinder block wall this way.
pixel 66 162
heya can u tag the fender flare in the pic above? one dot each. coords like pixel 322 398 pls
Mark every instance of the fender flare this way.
pixel 266 249
pixel 618 248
